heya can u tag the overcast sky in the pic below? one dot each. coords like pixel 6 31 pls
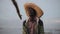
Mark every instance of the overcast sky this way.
pixel 9 17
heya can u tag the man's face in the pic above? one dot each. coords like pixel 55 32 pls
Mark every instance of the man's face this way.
pixel 32 12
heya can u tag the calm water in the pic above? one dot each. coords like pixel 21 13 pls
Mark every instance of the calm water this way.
pixel 19 31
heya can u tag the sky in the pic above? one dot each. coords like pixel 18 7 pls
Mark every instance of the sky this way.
pixel 10 19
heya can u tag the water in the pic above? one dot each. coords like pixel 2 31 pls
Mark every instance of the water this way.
pixel 52 32
pixel 11 31
pixel 19 31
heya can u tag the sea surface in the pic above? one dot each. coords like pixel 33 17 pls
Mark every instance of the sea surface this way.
pixel 19 31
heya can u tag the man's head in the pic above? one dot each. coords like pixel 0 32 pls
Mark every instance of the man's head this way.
pixel 32 12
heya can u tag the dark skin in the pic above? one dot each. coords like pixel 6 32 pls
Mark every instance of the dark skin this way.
pixel 16 6
pixel 32 12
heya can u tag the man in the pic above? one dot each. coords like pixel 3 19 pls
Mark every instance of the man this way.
pixel 33 25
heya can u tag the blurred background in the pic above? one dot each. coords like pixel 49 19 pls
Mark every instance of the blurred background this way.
pixel 11 24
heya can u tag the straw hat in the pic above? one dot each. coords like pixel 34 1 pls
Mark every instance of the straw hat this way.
pixel 39 12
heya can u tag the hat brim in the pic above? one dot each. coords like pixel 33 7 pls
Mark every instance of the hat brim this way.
pixel 32 5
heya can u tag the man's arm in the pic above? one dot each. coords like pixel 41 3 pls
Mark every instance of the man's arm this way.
pixel 40 27
pixel 16 6
pixel 24 27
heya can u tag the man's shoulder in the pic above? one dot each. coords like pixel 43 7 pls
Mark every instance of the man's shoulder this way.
pixel 24 22
pixel 40 22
